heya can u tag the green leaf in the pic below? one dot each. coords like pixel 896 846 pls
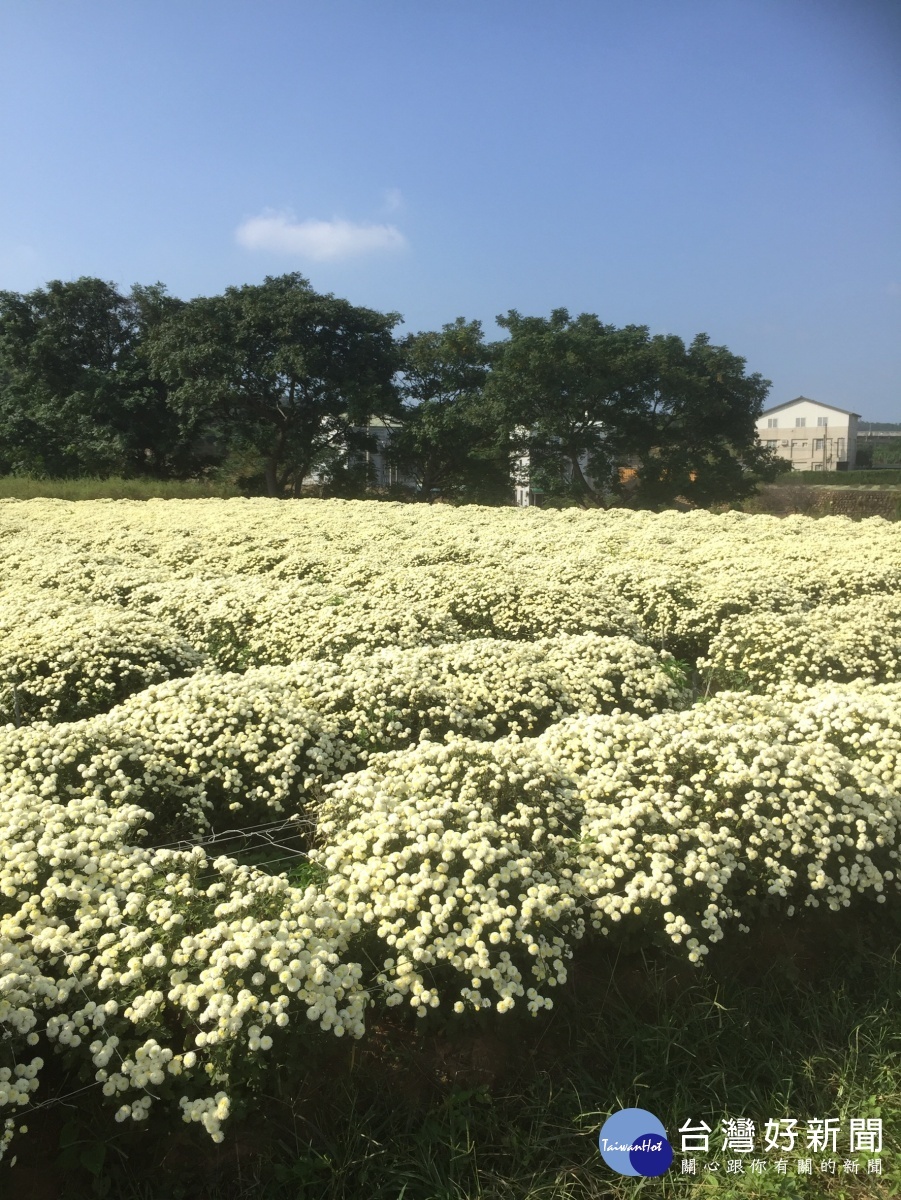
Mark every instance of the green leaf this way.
pixel 93 1157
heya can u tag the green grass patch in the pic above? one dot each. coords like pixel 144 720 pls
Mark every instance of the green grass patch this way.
pixel 799 1019
pixel 22 487
pixel 886 478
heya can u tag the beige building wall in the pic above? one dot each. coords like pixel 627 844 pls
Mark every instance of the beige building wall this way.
pixel 810 436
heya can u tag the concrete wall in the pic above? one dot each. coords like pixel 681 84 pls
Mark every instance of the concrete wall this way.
pixel 857 503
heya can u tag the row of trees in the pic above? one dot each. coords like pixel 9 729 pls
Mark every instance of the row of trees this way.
pixel 274 382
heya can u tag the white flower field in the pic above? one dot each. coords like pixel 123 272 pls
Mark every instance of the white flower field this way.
pixel 455 743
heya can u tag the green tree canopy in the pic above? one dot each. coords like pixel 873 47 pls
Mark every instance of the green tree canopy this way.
pixel 566 387
pixel 160 443
pixel 448 441
pixel 696 435
pixel 77 396
pixel 280 369
pixel 60 348
pixel 588 398
pixel 283 381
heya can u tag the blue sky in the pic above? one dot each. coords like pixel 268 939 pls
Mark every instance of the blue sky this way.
pixel 725 166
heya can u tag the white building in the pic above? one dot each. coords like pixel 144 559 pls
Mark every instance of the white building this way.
pixel 522 485
pixel 524 495
pixel 385 475
pixel 810 435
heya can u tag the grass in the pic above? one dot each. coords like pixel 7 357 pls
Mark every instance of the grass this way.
pixel 801 1019
pixel 790 498
pixel 23 487
pixel 883 478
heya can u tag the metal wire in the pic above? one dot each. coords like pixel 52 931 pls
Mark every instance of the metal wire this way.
pixel 232 834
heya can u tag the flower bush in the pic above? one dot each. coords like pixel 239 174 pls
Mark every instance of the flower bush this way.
pixel 455 856
pixel 485 687
pixel 198 754
pixel 466 737
pixel 62 661
pixel 692 819
pixel 860 639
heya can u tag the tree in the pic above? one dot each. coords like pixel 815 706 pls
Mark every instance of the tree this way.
pixel 76 394
pixel 592 398
pixel 279 369
pixel 160 443
pixel 447 442
pixel 696 434
pixel 565 387
pixel 59 349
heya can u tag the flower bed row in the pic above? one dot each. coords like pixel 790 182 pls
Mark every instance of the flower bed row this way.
pixel 460 873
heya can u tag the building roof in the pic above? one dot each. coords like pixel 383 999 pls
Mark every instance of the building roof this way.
pixel 788 403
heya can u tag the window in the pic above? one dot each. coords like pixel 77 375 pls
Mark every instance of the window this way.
pixel 772 443
pixel 818 443
pixel 818 466
pixel 772 422
pixel 800 422
pixel 822 422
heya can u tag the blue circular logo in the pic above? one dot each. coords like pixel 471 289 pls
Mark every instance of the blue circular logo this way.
pixel 633 1142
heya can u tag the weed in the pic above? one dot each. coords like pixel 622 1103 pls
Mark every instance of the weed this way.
pixel 801 1019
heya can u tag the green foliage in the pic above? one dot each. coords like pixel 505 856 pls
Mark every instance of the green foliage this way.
pixel 265 386
pixel 833 479
pixel 679 671
pixel 59 347
pixel 227 648
pixel 305 874
pixel 77 396
pixel 80 1147
pixel 878 452
pixel 566 388
pixel 697 435
pixel 588 398
pixel 278 368
pixel 447 443
pixel 27 487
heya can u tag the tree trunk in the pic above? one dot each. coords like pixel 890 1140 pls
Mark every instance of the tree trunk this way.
pixel 425 485
pixel 582 482
pixel 271 477
pixel 275 487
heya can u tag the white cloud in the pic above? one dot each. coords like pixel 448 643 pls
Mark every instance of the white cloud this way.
pixel 319 240
pixel 392 200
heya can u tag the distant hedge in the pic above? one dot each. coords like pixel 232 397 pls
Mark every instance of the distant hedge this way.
pixel 874 478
